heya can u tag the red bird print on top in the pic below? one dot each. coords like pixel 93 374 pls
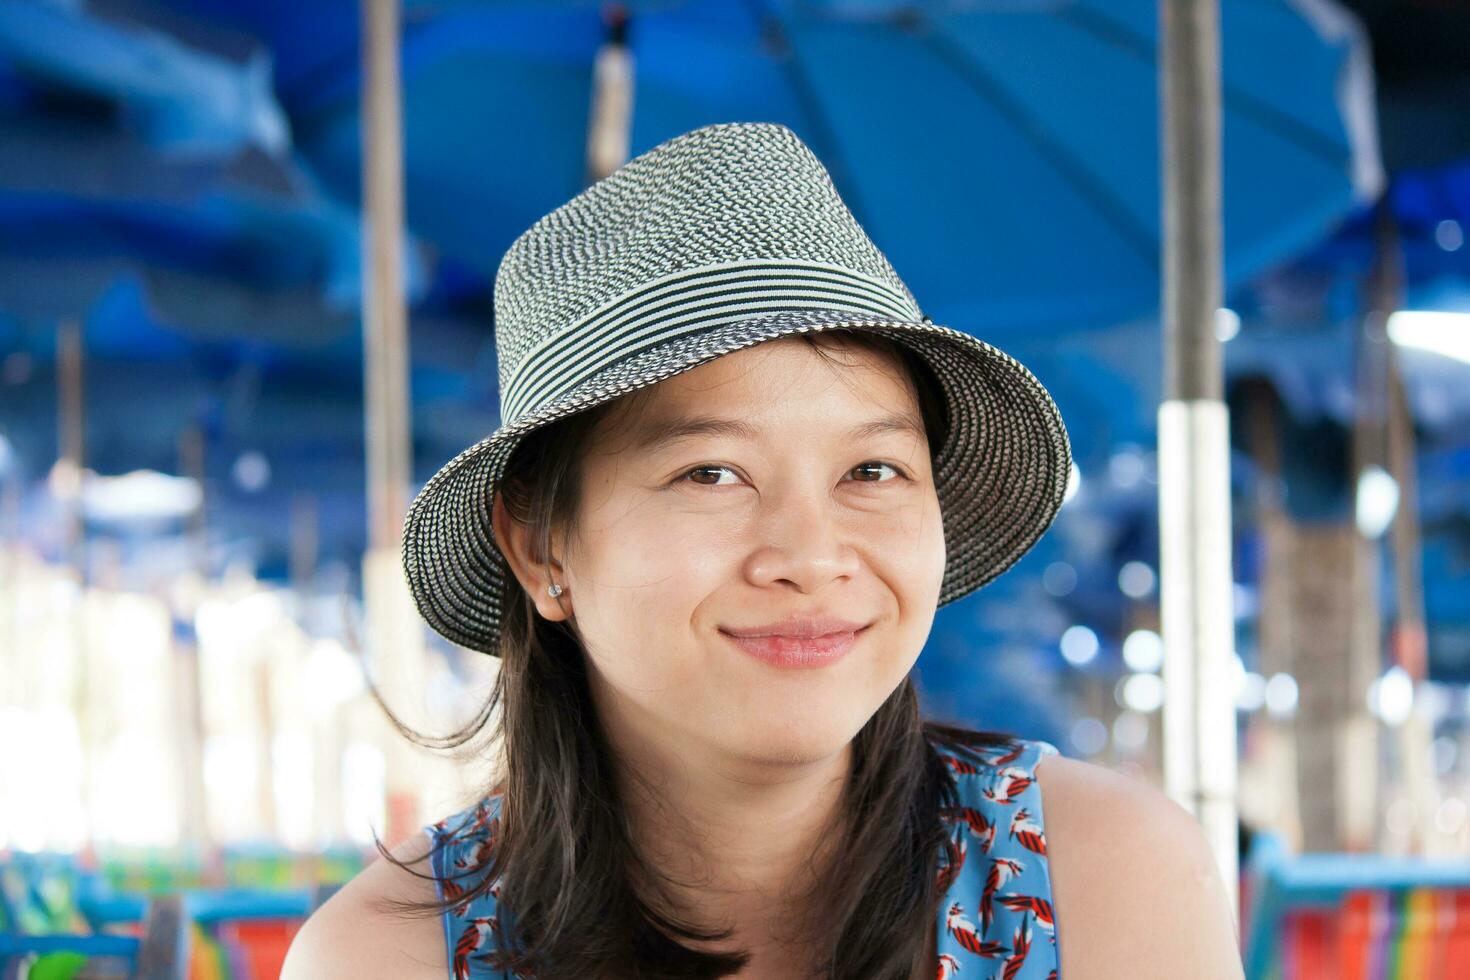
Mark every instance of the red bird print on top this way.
pixel 992 873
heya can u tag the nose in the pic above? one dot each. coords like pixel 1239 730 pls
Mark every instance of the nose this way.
pixel 803 542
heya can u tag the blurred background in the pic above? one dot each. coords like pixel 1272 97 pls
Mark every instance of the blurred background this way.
pixel 247 254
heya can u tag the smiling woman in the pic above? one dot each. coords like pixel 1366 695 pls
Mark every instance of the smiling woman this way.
pixel 708 562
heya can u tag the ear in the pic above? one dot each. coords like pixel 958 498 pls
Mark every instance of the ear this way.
pixel 514 540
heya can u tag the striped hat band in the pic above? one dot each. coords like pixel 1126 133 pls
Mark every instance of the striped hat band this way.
pixel 688 302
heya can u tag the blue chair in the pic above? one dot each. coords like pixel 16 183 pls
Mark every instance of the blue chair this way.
pixel 161 953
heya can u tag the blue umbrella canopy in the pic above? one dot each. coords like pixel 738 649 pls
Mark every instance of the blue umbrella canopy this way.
pixel 1009 193
pixel 1301 322
pixel 239 246
pixel 178 97
pixel 1431 211
pixel 216 284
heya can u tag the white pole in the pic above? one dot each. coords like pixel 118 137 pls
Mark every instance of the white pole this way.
pixel 1194 441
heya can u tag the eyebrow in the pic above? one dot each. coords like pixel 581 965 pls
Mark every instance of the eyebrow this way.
pixel 655 435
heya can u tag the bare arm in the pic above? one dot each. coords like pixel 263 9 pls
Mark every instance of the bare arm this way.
pixel 351 937
pixel 1136 890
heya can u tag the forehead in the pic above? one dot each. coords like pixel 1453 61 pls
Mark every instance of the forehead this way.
pixel 729 396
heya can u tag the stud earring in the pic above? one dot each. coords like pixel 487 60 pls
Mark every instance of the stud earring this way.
pixel 554 589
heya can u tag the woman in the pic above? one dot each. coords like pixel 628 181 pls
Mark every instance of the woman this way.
pixel 738 474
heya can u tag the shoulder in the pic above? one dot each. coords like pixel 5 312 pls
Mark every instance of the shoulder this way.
pixel 1132 870
pixel 352 935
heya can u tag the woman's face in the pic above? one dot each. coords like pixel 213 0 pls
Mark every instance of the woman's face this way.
pixel 820 500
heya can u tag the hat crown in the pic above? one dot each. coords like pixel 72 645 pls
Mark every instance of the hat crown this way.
pixel 729 220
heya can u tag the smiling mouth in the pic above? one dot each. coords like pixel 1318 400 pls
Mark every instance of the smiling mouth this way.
pixel 798 651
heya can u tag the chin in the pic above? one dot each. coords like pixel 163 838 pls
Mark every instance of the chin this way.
pixel 807 740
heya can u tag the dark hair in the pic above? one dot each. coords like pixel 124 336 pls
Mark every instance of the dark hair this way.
pixel 567 866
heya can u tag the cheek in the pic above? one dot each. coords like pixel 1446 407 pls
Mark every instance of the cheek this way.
pixel 637 597
pixel 913 573
pixel 913 554
pixel 660 570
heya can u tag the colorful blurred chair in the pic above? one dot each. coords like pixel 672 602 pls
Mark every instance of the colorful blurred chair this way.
pixel 1354 916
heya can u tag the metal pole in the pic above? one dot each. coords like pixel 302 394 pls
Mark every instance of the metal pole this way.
pixel 1194 440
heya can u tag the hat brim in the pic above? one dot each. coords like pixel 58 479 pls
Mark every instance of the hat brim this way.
pixel 1000 475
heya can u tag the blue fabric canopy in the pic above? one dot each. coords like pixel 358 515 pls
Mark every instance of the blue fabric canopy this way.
pixel 1004 157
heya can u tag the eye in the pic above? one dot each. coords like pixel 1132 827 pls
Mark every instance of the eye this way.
pixel 872 464
pixel 704 469
pixel 868 466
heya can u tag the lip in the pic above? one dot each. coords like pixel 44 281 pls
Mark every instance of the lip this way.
pixel 799 627
pixel 798 652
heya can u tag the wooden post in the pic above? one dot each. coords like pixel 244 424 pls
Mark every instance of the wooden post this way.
pixel 163 953
pixel 610 117
pixel 188 694
pixel 1388 441
pixel 394 634
pixel 71 432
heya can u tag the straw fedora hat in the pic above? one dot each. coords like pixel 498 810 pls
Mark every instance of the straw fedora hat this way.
pixel 712 241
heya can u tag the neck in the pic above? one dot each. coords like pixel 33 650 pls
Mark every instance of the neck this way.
pixel 740 841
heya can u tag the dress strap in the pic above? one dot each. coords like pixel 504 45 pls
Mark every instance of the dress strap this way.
pixel 462 845
pixel 997 913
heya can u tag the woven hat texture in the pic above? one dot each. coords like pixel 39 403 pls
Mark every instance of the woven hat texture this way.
pixel 720 238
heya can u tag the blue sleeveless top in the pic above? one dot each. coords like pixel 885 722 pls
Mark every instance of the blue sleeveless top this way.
pixel 996 918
